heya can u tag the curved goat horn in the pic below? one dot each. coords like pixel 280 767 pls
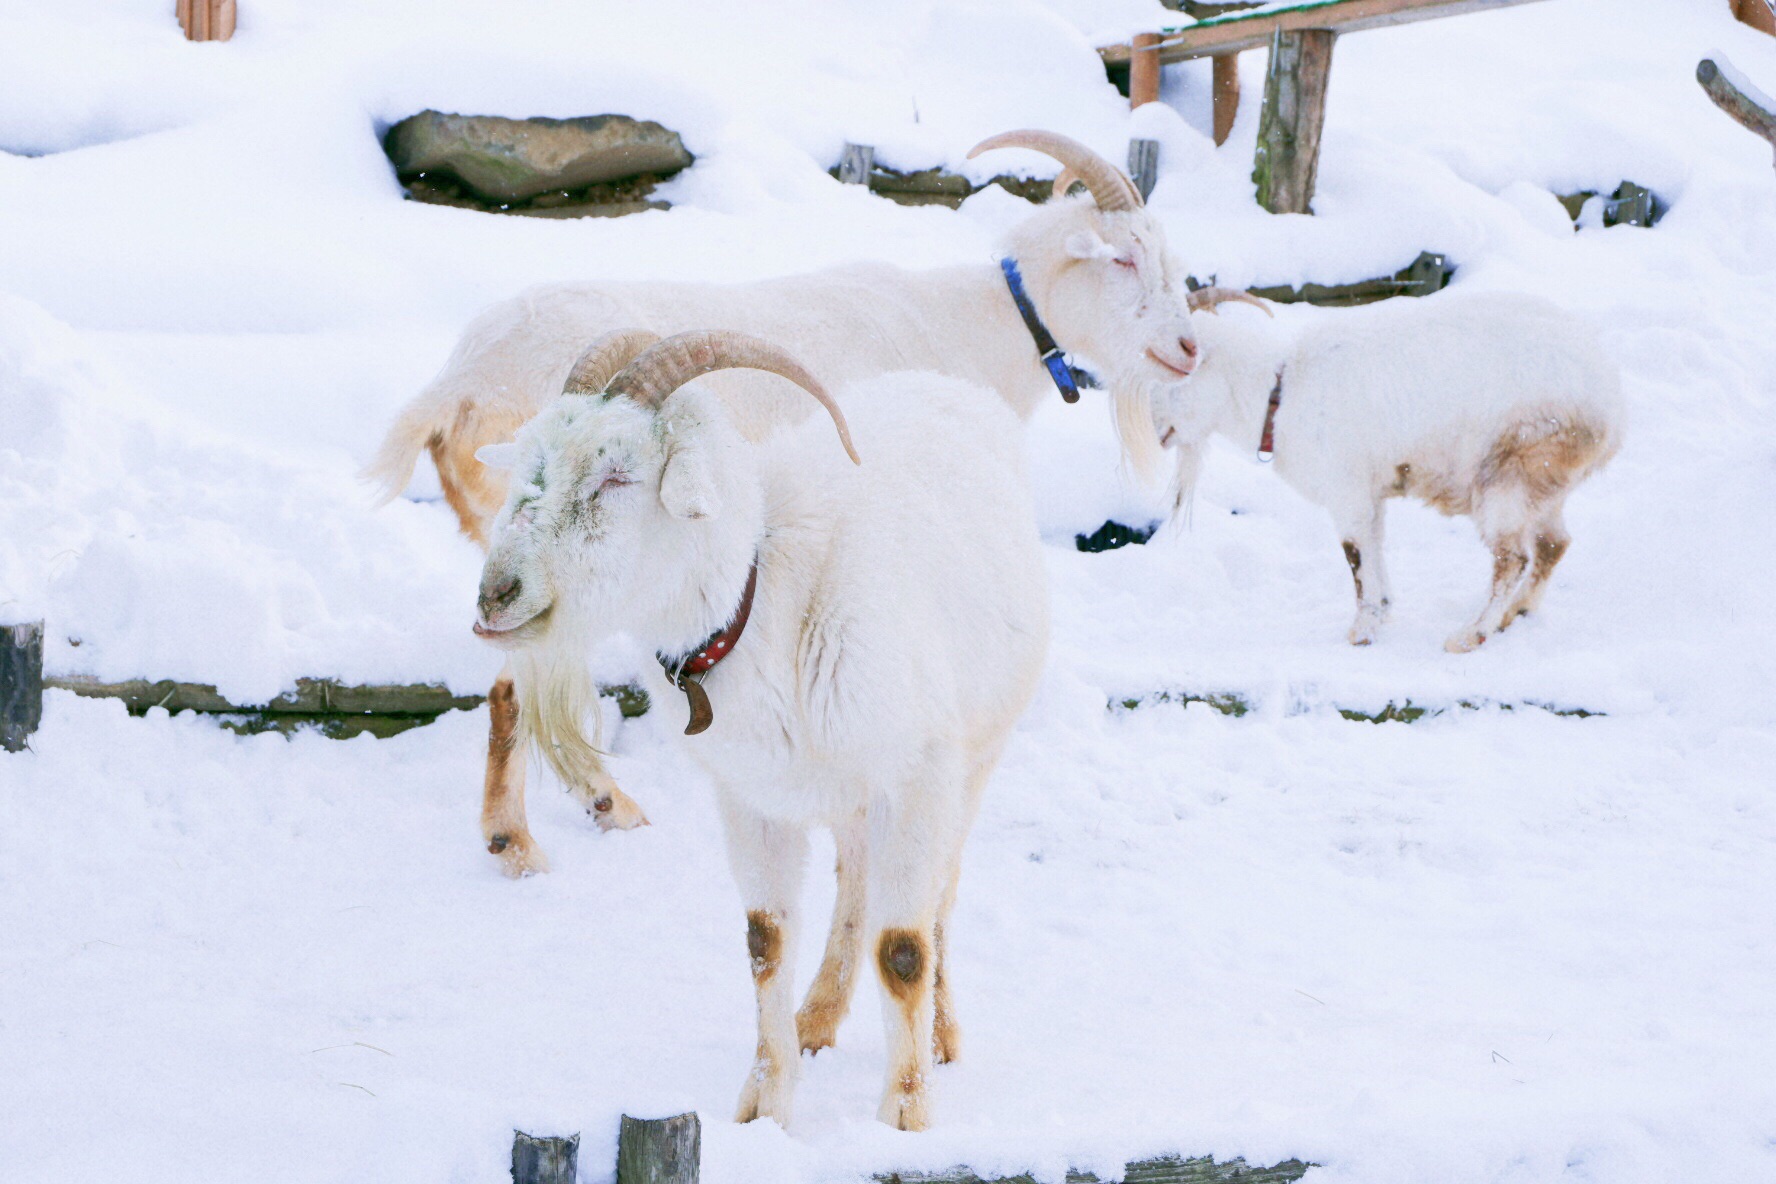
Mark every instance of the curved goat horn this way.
pixel 1205 299
pixel 1064 182
pixel 665 367
pixel 604 359
pixel 1109 187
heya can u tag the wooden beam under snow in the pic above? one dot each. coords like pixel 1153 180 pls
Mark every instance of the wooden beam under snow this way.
pixel 1253 30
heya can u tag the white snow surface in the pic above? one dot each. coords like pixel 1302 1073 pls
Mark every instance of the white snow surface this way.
pixel 1494 945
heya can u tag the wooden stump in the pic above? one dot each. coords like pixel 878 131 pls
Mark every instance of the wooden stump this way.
pixel 856 164
pixel 207 20
pixel 1294 112
pixel 1226 88
pixel 21 683
pixel 543 1159
pixel 659 1150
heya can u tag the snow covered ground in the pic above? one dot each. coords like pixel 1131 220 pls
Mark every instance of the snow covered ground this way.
pixel 1490 946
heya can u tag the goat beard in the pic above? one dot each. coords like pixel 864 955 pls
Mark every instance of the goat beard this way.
pixel 555 696
pixel 1132 408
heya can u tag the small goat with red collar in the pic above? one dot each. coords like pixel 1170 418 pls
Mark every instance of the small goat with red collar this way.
pixel 1491 405
pixel 857 640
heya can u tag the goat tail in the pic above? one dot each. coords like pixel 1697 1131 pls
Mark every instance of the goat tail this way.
pixel 417 428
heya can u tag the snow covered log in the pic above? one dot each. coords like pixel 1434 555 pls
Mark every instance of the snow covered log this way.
pixel 21 683
pixel 1164 1170
pixel 1732 93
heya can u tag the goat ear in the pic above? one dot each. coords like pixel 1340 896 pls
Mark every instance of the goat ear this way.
pixel 1085 244
pixel 687 485
pixel 498 456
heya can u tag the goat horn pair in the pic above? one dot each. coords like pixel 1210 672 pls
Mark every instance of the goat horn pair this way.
pixel 1109 185
pixel 635 364
pixel 1205 299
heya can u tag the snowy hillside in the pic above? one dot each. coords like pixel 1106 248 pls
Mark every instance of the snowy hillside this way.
pixel 1494 945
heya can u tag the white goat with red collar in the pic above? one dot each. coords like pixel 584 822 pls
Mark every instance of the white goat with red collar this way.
pixel 1097 272
pixel 1490 405
pixel 895 634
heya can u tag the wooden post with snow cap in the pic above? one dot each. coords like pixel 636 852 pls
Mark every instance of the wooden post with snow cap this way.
pixel 1143 155
pixel 856 164
pixel 660 1150
pixel 21 683
pixel 544 1159
pixel 206 20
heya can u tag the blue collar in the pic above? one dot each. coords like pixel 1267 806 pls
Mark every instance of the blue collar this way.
pixel 1066 379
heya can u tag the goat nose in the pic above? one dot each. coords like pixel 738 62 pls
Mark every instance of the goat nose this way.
pixel 1188 346
pixel 501 593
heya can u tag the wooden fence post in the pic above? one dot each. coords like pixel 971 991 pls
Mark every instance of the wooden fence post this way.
pixel 856 164
pixel 1144 165
pixel 21 683
pixel 542 1159
pixel 1759 14
pixel 1294 112
pixel 1226 88
pixel 1144 69
pixel 660 1150
pixel 206 20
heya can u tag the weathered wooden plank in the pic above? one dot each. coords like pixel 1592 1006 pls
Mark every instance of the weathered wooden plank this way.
pixel 21 683
pixel 1143 162
pixel 544 1159
pixel 1749 106
pixel 1405 711
pixel 341 709
pixel 1428 273
pixel 660 1150
pixel 1165 1170
pixel 1252 30
pixel 1288 160
pixel 856 163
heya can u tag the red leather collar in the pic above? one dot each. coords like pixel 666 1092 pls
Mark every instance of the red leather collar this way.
pixel 687 672
pixel 1267 439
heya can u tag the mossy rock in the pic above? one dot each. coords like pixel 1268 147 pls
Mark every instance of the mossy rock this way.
pixel 502 161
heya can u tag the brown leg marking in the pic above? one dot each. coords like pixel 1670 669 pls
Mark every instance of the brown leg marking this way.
pixel 901 956
pixel 764 941
pixel 1354 557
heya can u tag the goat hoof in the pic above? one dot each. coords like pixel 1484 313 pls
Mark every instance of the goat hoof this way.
pixel 616 811
pixel 519 855
pixel 1465 643
pixel 946 1044
pixel 905 1110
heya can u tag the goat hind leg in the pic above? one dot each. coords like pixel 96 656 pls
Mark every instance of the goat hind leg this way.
pixel 768 859
pixel 829 998
pixel 1551 542
pixel 1510 560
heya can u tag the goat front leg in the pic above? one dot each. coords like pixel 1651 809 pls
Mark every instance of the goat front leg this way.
pixel 610 807
pixel 829 998
pixel 503 824
pixel 768 859
pixel 1361 530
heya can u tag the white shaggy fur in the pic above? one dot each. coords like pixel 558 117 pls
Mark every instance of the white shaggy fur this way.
pixel 896 635
pixel 1105 284
pixel 1490 405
